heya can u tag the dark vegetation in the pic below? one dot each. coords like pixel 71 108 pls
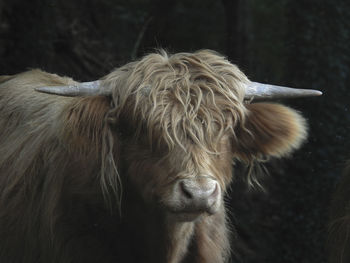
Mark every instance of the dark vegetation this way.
pixel 297 43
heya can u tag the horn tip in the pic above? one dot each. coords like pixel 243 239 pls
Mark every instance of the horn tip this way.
pixel 318 93
pixel 313 92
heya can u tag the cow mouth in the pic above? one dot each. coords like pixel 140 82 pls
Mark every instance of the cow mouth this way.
pixel 188 215
pixel 191 212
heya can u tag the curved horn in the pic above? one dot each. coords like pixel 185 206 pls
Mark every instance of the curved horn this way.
pixel 256 90
pixel 79 89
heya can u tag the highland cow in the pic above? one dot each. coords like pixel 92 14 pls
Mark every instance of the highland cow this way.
pixel 132 167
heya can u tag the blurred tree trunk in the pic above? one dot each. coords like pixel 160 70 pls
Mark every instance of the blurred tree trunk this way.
pixel 34 38
pixel 317 57
pixel 157 27
pixel 237 21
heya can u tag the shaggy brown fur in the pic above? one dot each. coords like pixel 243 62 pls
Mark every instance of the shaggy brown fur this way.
pixel 339 228
pixel 94 179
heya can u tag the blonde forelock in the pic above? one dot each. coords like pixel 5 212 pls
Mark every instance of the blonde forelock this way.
pixel 187 97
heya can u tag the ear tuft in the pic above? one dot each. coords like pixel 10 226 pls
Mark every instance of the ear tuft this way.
pixel 270 130
pixel 84 121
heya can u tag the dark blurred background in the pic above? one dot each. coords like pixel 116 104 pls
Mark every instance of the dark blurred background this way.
pixel 303 44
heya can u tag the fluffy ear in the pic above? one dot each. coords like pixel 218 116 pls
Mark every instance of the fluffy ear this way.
pixel 84 123
pixel 270 130
pixel 86 133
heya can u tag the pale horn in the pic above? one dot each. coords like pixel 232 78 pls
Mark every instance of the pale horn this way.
pixel 259 91
pixel 79 89
pixel 254 90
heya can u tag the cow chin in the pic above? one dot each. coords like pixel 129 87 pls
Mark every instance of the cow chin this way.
pixel 186 216
pixel 190 216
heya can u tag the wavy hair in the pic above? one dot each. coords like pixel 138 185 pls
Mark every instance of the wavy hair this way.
pixel 180 97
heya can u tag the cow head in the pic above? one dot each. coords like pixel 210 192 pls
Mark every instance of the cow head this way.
pixel 179 122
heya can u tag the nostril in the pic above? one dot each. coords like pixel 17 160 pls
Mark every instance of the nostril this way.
pixel 185 190
pixel 215 191
pixel 198 195
pixel 192 190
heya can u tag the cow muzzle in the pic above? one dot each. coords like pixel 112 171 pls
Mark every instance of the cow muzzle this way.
pixel 195 196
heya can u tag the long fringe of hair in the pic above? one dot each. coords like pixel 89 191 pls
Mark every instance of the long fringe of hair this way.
pixel 196 97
